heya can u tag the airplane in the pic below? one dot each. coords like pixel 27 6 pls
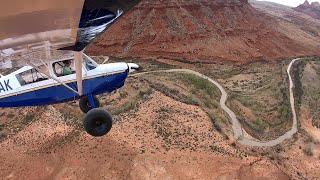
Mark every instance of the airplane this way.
pixel 47 39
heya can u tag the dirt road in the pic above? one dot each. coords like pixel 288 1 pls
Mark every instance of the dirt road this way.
pixel 236 126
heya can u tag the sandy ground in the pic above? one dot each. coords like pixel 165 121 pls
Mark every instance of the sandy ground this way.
pixel 299 163
pixel 306 124
pixel 147 144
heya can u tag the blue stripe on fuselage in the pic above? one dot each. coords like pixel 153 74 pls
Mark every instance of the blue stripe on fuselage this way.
pixel 59 93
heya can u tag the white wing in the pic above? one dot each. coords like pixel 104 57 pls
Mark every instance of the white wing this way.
pixel 36 29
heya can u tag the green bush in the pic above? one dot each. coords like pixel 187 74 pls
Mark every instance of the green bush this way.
pixel 200 83
pixel 261 123
pixel 283 113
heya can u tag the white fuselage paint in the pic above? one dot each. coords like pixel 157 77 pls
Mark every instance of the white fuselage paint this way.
pixel 9 84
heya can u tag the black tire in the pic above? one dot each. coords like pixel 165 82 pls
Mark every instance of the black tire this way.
pixel 84 104
pixel 97 122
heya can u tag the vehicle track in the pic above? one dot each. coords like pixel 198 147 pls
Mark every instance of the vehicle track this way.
pixel 236 125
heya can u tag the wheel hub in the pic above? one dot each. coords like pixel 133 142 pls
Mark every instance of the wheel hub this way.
pixel 99 123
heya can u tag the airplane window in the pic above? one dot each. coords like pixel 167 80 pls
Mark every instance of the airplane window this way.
pixel 63 68
pixel 89 64
pixel 32 76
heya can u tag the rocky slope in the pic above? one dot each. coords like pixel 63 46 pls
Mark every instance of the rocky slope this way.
pixel 203 30
pixel 312 9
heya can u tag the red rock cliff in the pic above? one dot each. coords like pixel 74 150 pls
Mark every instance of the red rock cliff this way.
pixel 312 9
pixel 203 30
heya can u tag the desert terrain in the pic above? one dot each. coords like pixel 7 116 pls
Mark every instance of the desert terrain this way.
pixel 166 126
pixel 170 124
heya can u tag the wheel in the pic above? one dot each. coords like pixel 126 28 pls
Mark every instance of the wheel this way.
pixel 85 104
pixel 97 122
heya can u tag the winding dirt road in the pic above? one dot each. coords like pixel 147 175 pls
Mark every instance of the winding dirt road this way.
pixel 236 126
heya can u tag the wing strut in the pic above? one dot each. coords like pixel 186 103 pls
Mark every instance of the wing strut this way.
pixel 78 61
pixel 47 74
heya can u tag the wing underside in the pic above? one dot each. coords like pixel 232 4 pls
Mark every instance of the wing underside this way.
pixel 36 29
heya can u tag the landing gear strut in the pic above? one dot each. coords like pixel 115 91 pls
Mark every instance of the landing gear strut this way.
pixel 97 122
pixel 88 103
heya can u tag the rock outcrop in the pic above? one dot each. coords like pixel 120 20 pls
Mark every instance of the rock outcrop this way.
pixel 201 30
pixel 306 3
pixel 312 9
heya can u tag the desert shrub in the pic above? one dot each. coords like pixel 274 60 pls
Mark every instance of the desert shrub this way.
pixel 308 150
pixel 1 126
pixel 2 134
pixel 10 115
pixel 217 127
pixel 145 92
pixel 215 122
pixel 164 89
pixel 309 139
pixel 261 123
pixel 253 104
pixel 240 138
pixel 283 114
pixel 163 110
pixel 207 103
pixel 192 100
pixel 123 94
pixel 200 83
pixel 163 132
pixel 278 149
pixel 125 107
pixel 29 117
pixel 173 93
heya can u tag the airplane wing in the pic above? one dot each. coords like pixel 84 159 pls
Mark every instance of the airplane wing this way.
pixel 40 30
pixel 30 25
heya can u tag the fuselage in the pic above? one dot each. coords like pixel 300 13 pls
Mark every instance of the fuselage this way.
pixel 104 78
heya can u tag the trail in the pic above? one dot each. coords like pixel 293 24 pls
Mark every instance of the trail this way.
pixel 238 131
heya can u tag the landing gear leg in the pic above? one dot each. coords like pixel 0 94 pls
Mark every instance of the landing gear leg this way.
pixel 88 103
pixel 91 101
pixel 97 122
